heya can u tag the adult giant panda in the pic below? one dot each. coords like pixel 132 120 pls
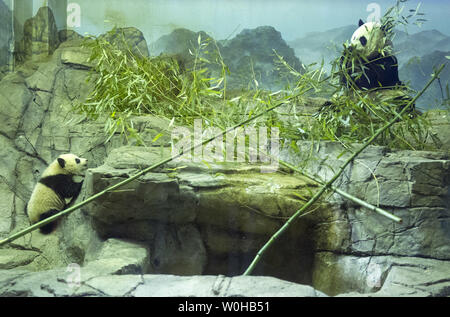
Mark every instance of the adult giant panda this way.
pixel 368 62
pixel 55 186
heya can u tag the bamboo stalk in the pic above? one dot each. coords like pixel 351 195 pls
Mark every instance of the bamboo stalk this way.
pixel 346 195
pixel 337 175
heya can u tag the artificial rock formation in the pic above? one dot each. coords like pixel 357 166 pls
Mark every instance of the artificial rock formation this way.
pixel 196 219
pixel 40 35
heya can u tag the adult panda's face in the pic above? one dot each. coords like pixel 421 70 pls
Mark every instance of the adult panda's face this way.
pixel 72 164
pixel 369 40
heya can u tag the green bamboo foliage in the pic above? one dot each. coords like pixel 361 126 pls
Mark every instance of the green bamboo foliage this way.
pixel 353 115
pixel 127 85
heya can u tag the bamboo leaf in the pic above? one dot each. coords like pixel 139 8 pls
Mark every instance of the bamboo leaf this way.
pixel 156 138
pixel 300 196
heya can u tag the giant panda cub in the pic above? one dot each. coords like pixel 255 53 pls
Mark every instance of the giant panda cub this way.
pixel 369 61
pixel 57 184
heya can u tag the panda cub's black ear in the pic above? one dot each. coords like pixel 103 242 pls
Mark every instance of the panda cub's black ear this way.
pixel 361 22
pixel 61 162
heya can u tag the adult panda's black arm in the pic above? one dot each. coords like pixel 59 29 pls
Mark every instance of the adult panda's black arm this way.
pixel 63 185
pixel 386 72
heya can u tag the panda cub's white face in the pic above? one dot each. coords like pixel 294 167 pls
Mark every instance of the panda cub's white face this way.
pixel 68 164
pixel 369 39
pixel 73 164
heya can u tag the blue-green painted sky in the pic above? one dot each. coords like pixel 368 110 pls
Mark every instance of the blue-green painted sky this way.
pixel 224 18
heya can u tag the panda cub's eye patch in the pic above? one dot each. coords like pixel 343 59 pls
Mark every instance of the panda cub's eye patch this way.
pixel 77 160
pixel 363 40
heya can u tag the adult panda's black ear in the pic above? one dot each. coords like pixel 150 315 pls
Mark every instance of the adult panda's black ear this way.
pixel 361 22
pixel 61 162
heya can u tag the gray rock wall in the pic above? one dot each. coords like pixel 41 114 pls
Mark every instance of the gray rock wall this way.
pixel 412 185
pixel 198 220
pixel 201 219
pixel 40 35
pixel 35 103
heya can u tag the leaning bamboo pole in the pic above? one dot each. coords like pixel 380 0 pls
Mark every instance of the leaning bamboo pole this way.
pixel 328 184
pixel 345 194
